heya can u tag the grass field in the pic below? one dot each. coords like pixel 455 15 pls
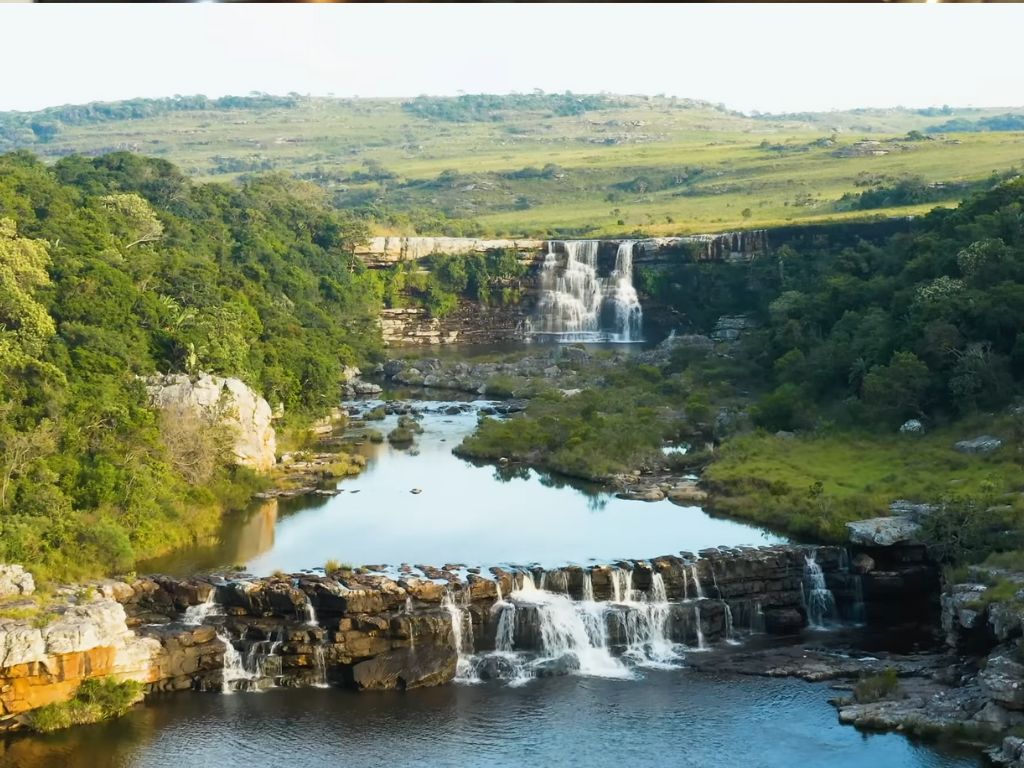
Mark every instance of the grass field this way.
pixel 812 485
pixel 651 165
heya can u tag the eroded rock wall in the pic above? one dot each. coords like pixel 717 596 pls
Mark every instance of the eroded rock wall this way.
pixel 228 400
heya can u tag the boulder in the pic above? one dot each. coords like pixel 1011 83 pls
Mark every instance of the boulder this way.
pixel 912 427
pixel 229 400
pixel 642 494
pixel 15 580
pixel 565 664
pixel 20 643
pixel 783 621
pixel 406 668
pixel 882 531
pixel 978 445
pixel 84 627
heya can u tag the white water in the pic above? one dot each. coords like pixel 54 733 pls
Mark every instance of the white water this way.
pixel 311 613
pixel 696 582
pixel 629 316
pixel 730 636
pixel 574 299
pixel 462 636
pixel 819 600
pixel 701 645
pixel 197 614
pixel 234 671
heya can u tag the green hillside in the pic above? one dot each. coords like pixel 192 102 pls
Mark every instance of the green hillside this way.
pixel 543 164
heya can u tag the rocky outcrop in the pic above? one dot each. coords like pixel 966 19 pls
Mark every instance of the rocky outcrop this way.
pixel 44 664
pixel 15 581
pixel 883 531
pixel 384 251
pixel 229 401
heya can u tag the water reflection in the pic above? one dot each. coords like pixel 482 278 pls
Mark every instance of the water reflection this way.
pixel 470 513
pixel 670 718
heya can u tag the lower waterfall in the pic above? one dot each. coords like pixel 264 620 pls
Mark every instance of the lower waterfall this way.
pixel 818 598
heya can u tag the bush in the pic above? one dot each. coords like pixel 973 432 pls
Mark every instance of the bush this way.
pixel 400 437
pixel 884 685
pixel 97 699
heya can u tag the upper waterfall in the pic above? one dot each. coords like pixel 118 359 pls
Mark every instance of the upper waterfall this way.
pixel 577 304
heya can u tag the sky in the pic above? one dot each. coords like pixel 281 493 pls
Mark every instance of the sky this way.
pixel 770 58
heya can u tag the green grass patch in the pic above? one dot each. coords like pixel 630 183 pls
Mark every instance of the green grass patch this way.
pixel 96 700
pixel 811 485
pixel 884 685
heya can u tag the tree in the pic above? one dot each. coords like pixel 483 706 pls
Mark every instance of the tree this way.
pixel 135 220
pixel 23 264
pixel 896 390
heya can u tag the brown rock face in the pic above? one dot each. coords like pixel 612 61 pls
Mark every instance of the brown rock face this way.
pixel 406 668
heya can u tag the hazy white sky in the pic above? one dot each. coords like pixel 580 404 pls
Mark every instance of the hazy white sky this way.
pixel 764 57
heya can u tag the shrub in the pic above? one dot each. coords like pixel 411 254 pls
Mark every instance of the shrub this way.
pixel 400 437
pixel 884 685
pixel 97 699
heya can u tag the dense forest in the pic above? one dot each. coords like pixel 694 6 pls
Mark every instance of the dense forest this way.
pixel 118 267
pixel 928 324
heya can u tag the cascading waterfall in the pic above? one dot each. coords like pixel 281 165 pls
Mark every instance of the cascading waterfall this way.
pixel 730 637
pixel 234 671
pixel 574 300
pixel 588 588
pixel 629 316
pixel 701 646
pixel 696 582
pixel 572 628
pixel 818 598
pixel 311 619
pixel 645 623
pixel 462 636
pixel 197 614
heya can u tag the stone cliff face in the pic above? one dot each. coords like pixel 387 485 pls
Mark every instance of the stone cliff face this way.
pixel 43 665
pixel 230 401
pixel 384 251
pixel 475 323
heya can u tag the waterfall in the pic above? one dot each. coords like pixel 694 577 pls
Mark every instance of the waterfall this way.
pixel 625 303
pixel 574 300
pixel 818 599
pixel 462 636
pixel 568 628
pixel 497 586
pixel 504 638
pixel 622 586
pixel 311 613
pixel 686 585
pixel 645 624
pixel 700 632
pixel 234 670
pixel 196 614
pixel 696 582
pixel 321 667
pixel 588 588
pixel 729 635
